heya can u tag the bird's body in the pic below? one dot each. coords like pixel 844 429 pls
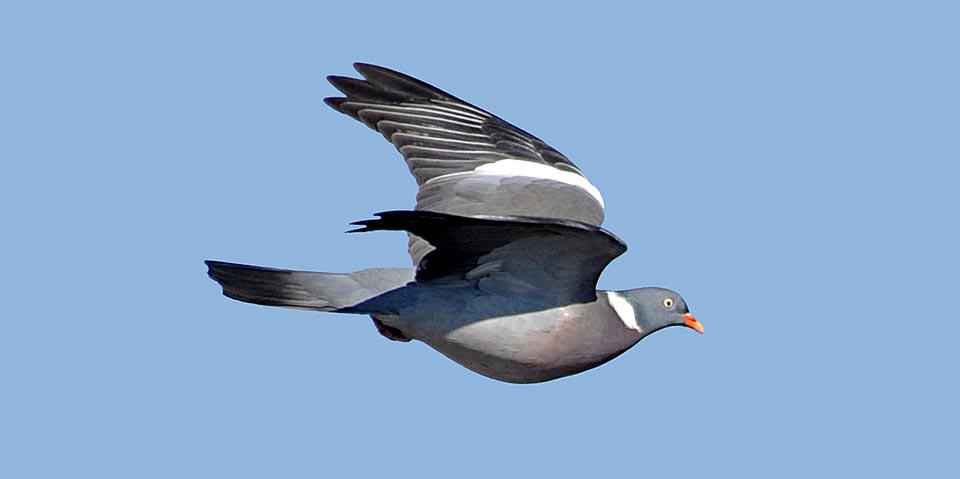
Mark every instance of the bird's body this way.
pixel 505 239
pixel 522 347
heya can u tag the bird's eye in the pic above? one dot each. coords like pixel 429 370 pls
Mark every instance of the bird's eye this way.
pixel 667 303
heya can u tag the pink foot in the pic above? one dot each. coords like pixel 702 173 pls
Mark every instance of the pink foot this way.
pixel 389 332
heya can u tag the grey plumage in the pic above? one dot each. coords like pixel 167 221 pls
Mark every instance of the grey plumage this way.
pixel 505 239
pixel 305 289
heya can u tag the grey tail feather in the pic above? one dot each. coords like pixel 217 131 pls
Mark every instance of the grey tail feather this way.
pixel 305 289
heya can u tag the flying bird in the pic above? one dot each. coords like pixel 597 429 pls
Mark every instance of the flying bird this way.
pixel 505 240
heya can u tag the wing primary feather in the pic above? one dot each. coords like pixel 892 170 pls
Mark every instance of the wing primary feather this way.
pixel 400 84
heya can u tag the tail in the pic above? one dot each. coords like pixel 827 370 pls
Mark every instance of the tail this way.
pixel 305 289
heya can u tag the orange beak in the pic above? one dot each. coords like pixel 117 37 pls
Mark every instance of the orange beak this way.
pixel 692 323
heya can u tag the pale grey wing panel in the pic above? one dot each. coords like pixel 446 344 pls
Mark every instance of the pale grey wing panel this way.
pixel 474 194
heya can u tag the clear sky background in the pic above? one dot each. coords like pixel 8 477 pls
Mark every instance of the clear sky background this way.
pixel 791 168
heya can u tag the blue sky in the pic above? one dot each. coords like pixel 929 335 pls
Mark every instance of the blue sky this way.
pixel 791 168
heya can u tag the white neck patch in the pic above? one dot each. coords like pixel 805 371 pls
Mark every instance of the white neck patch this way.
pixel 624 310
pixel 511 167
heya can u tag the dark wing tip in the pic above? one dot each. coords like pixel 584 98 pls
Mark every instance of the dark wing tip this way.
pixel 383 85
pixel 363 90
pixel 365 69
pixel 364 226
pixel 401 83
pixel 388 221
pixel 216 270
pixel 367 225
pixel 334 102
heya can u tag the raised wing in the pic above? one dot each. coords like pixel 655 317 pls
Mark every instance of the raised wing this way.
pixel 545 260
pixel 466 161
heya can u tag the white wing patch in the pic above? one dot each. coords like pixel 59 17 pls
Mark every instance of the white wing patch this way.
pixel 624 310
pixel 510 167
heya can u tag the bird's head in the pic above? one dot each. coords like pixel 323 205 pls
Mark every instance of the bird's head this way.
pixel 658 308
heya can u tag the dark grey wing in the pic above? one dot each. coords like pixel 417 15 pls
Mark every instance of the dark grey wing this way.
pixel 551 260
pixel 466 161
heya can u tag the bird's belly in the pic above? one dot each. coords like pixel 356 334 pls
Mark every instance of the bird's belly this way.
pixel 528 348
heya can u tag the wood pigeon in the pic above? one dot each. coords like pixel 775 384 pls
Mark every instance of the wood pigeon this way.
pixel 505 240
